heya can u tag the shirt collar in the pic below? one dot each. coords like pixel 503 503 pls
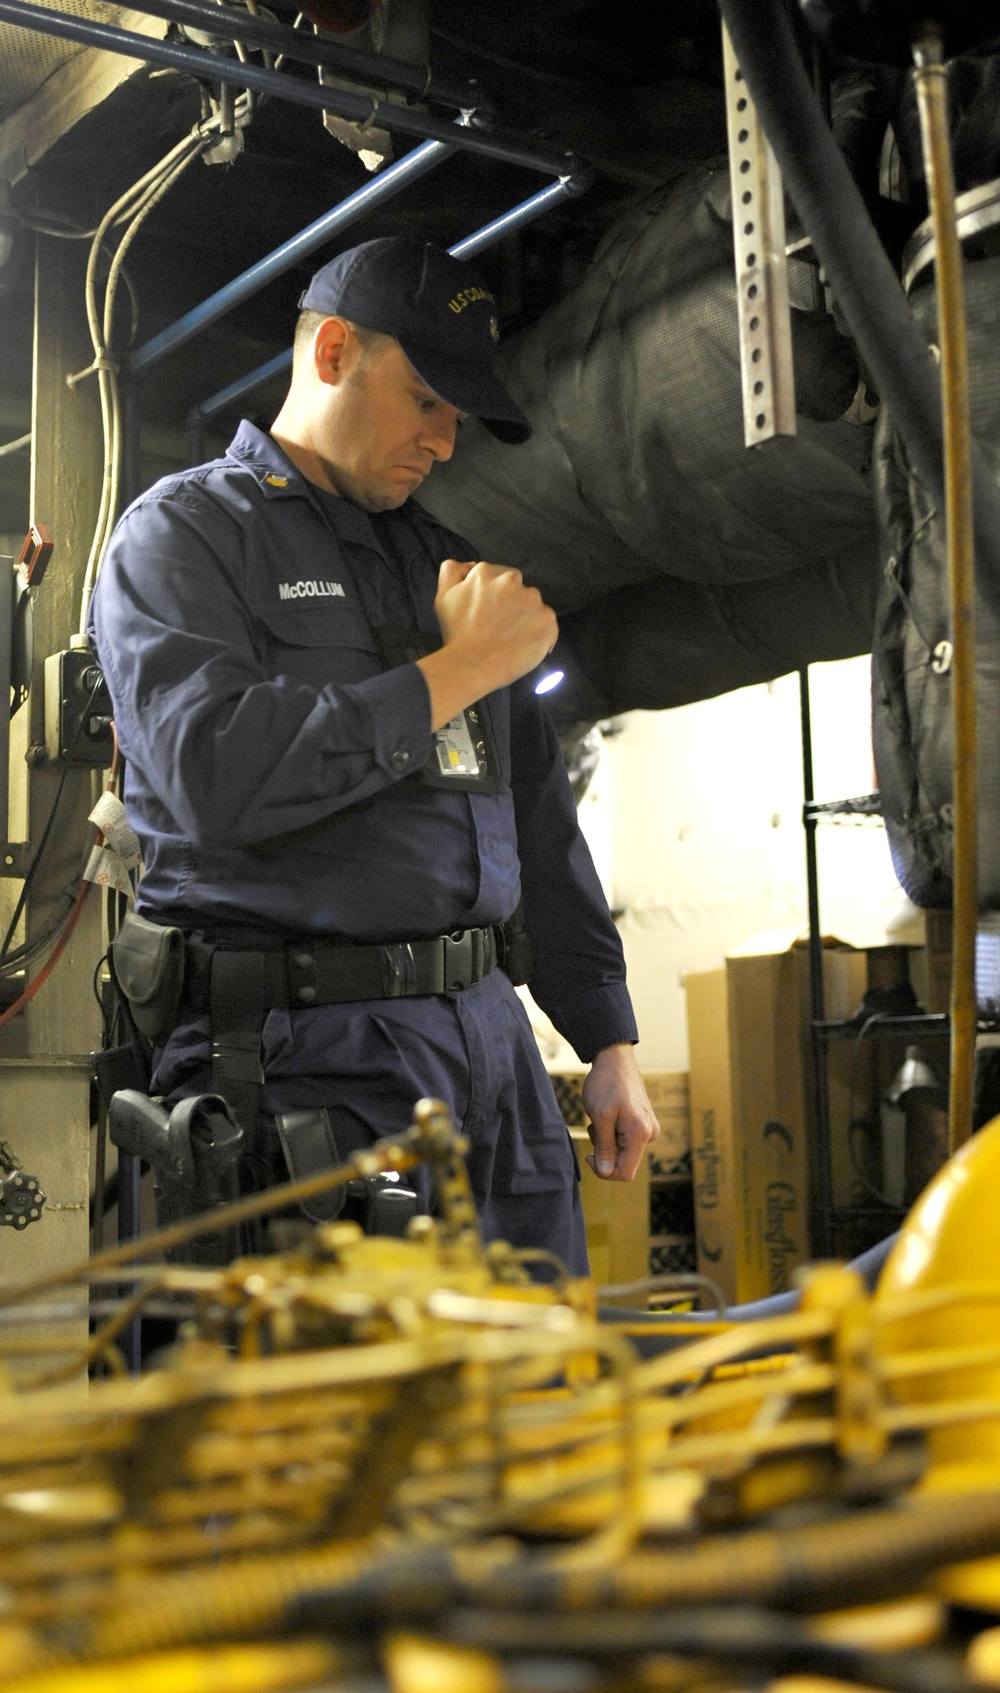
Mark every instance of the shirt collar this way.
pixel 262 456
pixel 279 478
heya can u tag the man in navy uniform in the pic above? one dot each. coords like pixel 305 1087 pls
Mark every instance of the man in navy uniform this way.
pixel 341 777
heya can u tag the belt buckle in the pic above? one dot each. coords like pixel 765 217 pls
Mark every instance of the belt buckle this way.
pixel 399 970
pixel 458 952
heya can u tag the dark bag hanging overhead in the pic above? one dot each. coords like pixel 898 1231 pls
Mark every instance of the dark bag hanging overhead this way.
pixel 911 663
pixel 680 565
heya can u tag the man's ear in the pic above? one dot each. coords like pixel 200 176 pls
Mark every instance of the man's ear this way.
pixel 332 348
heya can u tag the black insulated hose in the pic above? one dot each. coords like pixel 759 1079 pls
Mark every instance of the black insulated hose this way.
pixel 753 1640
pixel 857 1559
pixel 863 281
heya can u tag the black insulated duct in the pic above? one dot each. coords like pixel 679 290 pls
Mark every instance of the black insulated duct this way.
pixel 681 564
pixel 911 664
pixel 863 281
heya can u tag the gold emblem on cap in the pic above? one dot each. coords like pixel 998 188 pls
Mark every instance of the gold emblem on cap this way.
pixel 468 297
pixel 494 328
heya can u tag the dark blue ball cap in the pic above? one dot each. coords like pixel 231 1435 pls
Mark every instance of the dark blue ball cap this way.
pixel 438 309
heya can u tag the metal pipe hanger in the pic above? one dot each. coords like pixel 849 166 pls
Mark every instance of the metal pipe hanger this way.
pixel 440 139
pixel 232 23
pixel 503 145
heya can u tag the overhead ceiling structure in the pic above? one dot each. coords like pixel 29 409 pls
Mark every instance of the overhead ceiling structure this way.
pixel 48 84
pixel 681 563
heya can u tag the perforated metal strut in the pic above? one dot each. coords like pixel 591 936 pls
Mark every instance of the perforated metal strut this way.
pixel 761 266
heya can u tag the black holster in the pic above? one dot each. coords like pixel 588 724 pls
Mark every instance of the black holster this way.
pixel 380 1204
pixel 515 957
pixel 148 964
pixel 193 1152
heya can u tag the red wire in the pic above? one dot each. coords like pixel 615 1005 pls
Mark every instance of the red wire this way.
pixel 53 958
pixel 71 921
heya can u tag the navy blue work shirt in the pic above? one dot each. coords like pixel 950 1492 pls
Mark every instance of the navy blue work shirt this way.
pixel 273 761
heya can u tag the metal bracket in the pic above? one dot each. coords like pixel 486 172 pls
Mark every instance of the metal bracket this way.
pixel 761 266
pixel 843 810
pixel 977 211
pixel 14 858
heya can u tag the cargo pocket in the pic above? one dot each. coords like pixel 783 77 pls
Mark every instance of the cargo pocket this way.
pixel 534 1153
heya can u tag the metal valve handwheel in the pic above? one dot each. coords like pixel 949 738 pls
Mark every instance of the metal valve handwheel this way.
pixel 21 1200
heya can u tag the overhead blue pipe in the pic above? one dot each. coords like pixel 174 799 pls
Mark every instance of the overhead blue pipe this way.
pixel 380 188
pixel 348 103
pixel 565 189
pixel 245 384
pixel 526 212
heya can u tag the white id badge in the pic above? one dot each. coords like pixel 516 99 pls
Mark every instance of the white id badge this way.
pixel 456 749
pixel 462 756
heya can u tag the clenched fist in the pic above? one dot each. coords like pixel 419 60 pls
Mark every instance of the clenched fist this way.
pixel 494 630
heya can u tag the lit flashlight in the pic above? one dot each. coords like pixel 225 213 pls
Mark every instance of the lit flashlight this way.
pixel 549 677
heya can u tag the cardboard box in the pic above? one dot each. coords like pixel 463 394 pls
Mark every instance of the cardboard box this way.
pixel 616 1215
pixel 712 1128
pixel 669 1095
pixel 751 1107
pixel 770 1165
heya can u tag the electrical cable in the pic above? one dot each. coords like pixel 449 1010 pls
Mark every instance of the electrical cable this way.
pixel 35 223
pixel 40 219
pixel 19 956
pixel 11 960
pixel 137 201
pixel 95 988
pixel 131 209
pixel 46 832
pixel 53 958
pixel 151 199
pixel 869 1187
pixel 81 895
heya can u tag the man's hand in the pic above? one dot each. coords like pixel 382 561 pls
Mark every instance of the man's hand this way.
pixel 622 1122
pixel 494 629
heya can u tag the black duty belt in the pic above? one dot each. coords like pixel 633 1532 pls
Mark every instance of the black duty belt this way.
pixel 325 973
pixel 239 987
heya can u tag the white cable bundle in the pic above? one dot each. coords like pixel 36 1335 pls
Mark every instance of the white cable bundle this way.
pixel 131 209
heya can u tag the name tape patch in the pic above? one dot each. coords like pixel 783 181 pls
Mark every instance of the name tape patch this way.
pixel 310 591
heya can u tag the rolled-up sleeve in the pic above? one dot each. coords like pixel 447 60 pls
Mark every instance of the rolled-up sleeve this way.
pixel 579 965
pixel 235 753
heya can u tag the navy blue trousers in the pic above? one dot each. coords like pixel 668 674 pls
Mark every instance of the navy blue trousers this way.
pixel 368 1063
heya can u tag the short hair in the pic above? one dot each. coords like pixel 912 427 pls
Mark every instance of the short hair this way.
pixel 308 322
